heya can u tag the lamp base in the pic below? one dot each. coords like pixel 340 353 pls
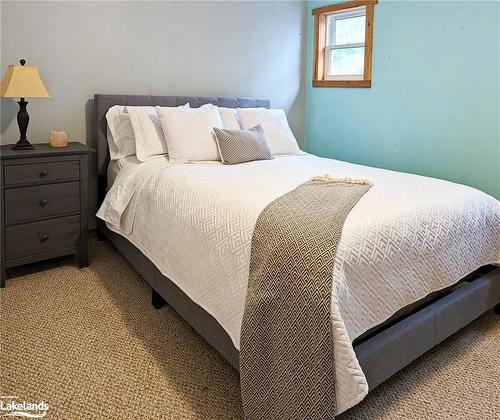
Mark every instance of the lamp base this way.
pixel 23 145
pixel 22 120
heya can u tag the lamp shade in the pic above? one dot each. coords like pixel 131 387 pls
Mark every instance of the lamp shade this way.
pixel 23 82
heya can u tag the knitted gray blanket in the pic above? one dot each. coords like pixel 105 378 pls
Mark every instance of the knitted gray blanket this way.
pixel 286 354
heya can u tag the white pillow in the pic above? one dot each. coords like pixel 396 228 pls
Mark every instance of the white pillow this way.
pixel 188 132
pixel 149 140
pixel 121 138
pixel 280 138
pixel 230 118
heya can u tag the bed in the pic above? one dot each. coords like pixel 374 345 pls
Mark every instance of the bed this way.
pixel 447 283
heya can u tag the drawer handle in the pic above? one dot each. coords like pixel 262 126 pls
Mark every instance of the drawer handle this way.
pixel 44 237
pixel 44 202
pixel 44 172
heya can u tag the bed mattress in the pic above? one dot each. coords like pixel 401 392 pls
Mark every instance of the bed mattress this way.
pixel 408 237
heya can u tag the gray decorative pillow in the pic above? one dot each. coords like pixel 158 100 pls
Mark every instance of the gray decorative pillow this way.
pixel 239 146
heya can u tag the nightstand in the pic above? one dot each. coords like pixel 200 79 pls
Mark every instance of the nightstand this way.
pixel 44 211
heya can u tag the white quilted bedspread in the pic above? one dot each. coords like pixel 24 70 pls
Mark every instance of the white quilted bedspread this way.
pixel 407 237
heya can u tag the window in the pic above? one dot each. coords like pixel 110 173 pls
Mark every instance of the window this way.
pixel 343 44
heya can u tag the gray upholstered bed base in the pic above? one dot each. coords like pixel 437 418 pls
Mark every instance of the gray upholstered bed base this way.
pixel 381 354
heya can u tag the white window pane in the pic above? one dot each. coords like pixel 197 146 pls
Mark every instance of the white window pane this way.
pixel 347 61
pixel 330 35
pixel 350 30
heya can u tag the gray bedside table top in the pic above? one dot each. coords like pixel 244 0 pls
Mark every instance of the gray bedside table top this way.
pixel 40 150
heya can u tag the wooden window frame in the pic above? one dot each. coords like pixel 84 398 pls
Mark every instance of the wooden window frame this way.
pixel 320 17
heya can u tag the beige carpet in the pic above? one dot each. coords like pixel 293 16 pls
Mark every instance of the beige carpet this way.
pixel 90 344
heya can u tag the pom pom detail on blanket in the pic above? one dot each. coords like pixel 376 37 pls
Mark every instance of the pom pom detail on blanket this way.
pixel 328 177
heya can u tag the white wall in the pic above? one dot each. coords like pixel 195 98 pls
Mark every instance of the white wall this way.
pixel 242 48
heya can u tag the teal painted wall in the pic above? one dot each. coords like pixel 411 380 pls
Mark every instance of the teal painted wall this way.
pixel 433 108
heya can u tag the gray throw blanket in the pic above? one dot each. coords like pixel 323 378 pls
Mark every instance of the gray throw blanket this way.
pixel 286 355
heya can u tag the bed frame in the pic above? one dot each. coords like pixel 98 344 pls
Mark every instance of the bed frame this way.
pixel 381 352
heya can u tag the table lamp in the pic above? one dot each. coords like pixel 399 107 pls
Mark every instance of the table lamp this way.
pixel 23 82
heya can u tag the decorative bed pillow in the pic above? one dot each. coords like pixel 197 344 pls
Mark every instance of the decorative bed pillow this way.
pixel 279 136
pixel 149 139
pixel 189 132
pixel 121 137
pixel 239 146
pixel 230 118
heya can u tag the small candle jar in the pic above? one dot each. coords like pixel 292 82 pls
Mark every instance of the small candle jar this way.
pixel 58 138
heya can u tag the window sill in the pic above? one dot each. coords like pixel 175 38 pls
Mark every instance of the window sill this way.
pixel 342 83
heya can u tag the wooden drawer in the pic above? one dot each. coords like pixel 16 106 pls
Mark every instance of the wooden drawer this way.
pixel 41 172
pixel 40 201
pixel 40 237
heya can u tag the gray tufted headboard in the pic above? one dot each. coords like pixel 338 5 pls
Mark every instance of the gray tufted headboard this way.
pixel 103 102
